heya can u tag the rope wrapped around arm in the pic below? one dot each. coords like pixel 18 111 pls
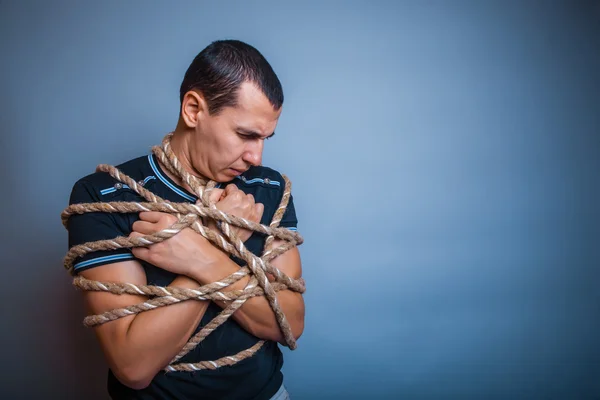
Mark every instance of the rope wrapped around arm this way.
pixel 191 216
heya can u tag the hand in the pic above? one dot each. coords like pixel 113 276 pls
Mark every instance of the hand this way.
pixel 233 201
pixel 179 254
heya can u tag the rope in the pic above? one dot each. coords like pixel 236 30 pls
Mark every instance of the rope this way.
pixel 190 216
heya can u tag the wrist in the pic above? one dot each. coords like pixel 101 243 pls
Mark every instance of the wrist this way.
pixel 213 269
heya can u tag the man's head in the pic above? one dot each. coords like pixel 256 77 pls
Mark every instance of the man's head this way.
pixel 231 100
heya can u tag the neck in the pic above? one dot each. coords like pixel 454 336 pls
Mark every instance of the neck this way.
pixel 180 146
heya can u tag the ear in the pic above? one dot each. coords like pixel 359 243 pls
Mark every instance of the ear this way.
pixel 193 107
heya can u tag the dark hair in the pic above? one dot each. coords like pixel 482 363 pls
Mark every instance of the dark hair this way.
pixel 219 70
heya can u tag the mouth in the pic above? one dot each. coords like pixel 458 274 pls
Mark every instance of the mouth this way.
pixel 237 171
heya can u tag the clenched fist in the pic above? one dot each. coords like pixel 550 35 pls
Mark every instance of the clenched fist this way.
pixel 180 254
pixel 233 201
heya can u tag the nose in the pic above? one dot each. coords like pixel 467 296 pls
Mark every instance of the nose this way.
pixel 253 153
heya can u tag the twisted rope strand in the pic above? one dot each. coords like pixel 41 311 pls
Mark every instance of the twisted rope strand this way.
pixel 190 216
pixel 257 267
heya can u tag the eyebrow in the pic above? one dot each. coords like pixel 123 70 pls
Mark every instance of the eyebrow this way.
pixel 254 135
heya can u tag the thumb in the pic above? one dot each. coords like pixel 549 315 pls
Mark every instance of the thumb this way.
pixel 215 195
pixel 139 251
pixel 135 235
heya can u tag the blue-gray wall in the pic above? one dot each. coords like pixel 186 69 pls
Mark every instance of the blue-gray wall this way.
pixel 444 156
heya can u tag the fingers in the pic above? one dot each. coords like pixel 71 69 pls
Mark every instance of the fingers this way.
pixel 138 252
pixel 150 216
pixel 133 235
pixel 236 202
pixel 143 227
pixel 229 189
pixel 215 196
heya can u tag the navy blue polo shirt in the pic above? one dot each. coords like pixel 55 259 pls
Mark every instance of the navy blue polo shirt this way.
pixel 258 377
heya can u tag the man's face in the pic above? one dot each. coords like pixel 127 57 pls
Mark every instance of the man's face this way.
pixel 227 144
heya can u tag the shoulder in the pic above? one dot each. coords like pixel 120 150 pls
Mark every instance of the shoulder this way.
pixel 262 176
pixel 268 187
pixel 264 183
pixel 96 186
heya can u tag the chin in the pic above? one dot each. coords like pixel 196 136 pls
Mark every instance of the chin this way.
pixel 224 176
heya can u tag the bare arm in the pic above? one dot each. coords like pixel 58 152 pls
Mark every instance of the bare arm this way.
pixel 137 347
pixel 188 253
pixel 256 315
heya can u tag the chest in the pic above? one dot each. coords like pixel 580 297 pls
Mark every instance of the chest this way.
pixel 266 196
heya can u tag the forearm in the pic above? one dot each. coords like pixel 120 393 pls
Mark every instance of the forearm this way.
pixel 256 315
pixel 258 318
pixel 155 337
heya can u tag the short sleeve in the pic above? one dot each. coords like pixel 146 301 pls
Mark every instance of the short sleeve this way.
pixel 289 219
pixel 90 227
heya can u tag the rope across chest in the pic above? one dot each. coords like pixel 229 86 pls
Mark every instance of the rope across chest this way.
pixel 192 216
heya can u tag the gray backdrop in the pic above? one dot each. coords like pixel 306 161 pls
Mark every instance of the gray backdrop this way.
pixel 444 157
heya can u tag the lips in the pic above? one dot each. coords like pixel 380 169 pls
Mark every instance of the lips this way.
pixel 238 171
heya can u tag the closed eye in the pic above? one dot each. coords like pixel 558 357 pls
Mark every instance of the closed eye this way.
pixel 254 137
pixel 250 135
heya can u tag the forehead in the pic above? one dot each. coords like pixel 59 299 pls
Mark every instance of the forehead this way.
pixel 254 108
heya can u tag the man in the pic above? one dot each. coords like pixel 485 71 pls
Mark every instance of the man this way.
pixel 231 100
